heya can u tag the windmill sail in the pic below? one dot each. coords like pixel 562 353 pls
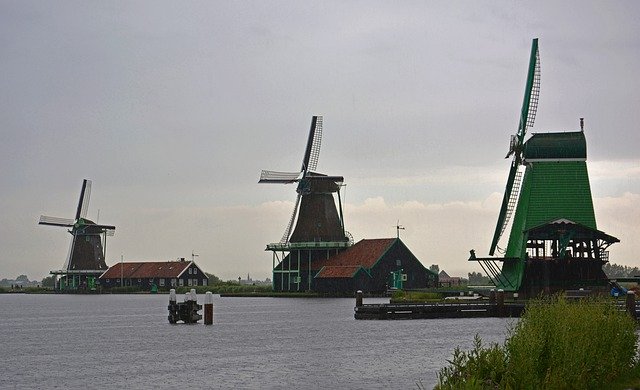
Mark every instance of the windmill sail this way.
pixel 312 152
pixel 527 118
pixel 83 203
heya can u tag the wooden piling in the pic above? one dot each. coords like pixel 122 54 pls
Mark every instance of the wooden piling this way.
pixel 500 303
pixel 631 303
pixel 358 298
pixel 208 308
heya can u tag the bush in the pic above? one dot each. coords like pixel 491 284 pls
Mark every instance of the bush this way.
pixel 556 345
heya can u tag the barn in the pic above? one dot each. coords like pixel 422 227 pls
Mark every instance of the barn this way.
pixel 370 265
pixel 162 274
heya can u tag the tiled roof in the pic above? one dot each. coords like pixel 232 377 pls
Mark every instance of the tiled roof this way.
pixel 150 269
pixel 332 271
pixel 364 253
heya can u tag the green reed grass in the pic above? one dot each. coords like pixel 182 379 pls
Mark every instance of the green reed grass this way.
pixel 557 344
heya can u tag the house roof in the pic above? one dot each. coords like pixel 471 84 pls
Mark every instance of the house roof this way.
pixel 147 269
pixel 365 253
pixel 336 271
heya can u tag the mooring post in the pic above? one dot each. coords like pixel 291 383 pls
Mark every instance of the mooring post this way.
pixel 173 306
pixel 500 302
pixel 631 303
pixel 358 298
pixel 492 296
pixel 208 308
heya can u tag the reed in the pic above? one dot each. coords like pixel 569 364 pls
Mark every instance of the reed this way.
pixel 557 344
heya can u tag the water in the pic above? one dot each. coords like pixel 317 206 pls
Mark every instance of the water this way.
pixel 116 341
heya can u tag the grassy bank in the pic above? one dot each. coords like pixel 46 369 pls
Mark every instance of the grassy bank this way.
pixel 555 345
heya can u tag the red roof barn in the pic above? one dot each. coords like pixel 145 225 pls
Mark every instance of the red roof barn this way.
pixel 369 265
pixel 161 273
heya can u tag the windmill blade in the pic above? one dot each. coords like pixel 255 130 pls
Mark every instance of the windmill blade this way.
pixel 104 227
pixel 55 221
pixel 287 232
pixel 83 203
pixel 312 152
pixel 279 177
pixel 504 207
pixel 527 118
pixel 531 94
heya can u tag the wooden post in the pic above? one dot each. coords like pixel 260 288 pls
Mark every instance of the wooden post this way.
pixel 173 307
pixel 359 298
pixel 631 303
pixel 208 308
pixel 492 296
pixel 500 303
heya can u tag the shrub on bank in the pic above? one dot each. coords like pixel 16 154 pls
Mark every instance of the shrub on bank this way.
pixel 556 345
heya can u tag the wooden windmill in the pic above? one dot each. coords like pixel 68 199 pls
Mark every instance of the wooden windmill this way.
pixel 553 242
pixel 86 258
pixel 319 225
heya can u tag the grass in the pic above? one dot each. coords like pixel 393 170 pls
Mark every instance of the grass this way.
pixel 401 296
pixel 557 344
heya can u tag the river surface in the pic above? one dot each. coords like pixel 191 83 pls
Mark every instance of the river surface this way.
pixel 125 341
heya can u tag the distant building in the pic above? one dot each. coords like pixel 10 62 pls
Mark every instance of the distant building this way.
pixel 369 265
pixel 448 281
pixel 164 274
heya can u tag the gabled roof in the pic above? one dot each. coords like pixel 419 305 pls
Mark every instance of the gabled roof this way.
pixel 336 271
pixel 364 253
pixel 147 269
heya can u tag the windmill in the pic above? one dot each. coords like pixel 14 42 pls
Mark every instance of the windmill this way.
pixel 86 257
pixel 318 219
pixel 553 242
pixel 319 225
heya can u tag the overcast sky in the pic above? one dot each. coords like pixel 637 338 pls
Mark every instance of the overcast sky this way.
pixel 173 108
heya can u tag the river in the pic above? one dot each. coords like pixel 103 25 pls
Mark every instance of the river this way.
pixel 125 341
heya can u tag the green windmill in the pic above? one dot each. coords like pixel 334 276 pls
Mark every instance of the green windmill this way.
pixel 553 242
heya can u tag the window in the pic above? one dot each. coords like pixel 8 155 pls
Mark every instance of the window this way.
pixel 189 271
pixel 181 282
pixel 189 282
pixel 161 282
pixel 173 282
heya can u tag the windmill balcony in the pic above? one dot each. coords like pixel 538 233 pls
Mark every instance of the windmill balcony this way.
pixel 287 246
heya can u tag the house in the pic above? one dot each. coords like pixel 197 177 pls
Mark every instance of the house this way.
pixel 370 265
pixel 449 281
pixel 162 274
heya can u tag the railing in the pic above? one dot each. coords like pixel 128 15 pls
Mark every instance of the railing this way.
pixel 287 246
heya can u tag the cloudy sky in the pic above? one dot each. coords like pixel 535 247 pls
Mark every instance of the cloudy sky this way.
pixel 173 108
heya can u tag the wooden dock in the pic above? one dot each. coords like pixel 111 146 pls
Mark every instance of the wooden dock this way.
pixel 399 311
pixel 495 306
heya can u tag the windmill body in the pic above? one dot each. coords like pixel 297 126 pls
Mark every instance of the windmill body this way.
pixel 553 242
pixel 316 228
pixel 86 258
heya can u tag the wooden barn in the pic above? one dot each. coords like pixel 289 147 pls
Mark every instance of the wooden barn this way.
pixel 372 266
pixel 162 274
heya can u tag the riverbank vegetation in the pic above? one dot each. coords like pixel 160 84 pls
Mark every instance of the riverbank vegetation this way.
pixel 557 344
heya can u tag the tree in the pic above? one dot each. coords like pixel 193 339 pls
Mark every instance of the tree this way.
pixel 435 268
pixel 49 281
pixel 22 278
pixel 212 278
pixel 477 278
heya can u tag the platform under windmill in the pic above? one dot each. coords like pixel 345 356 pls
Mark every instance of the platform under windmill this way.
pixel 319 226
pixel 86 259
pixel 554 243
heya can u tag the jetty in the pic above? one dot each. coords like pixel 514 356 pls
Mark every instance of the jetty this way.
pixel 495 306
